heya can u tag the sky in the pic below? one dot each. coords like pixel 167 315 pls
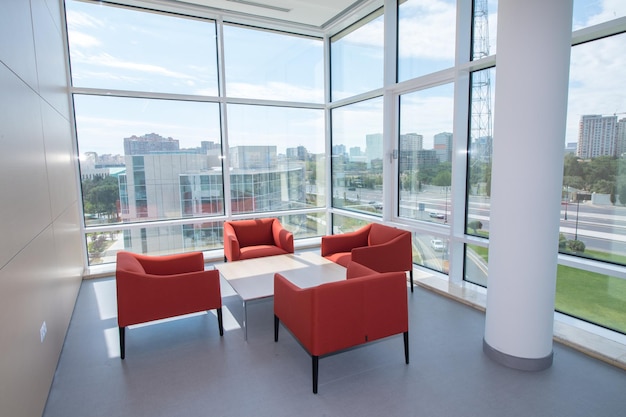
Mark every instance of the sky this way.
pixel 261 64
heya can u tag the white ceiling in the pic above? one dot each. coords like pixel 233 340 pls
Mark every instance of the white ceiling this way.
pixel 318 14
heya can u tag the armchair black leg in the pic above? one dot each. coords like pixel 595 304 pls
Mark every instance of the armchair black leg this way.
pixel 411 275
pixel 406 347
pixel 315 365
pixel 220 321
pixel 122 342
pixel 276 325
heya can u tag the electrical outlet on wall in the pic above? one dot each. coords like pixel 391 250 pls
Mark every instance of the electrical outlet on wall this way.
pixel 43 331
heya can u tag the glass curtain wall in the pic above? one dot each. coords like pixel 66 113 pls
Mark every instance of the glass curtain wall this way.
pixel 592 286
pixel 262 120
pixel 150 123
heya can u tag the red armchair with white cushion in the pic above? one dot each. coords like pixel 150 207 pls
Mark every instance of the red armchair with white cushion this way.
pixel 367 306
pixel 247 239
pixel 379 247
pixel 158 287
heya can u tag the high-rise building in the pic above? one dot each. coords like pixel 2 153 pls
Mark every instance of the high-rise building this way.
pixel 443 146
pixel 597 136
pixel 374 147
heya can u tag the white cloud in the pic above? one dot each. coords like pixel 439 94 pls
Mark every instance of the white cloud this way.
pixel 428 29
pixel 82 40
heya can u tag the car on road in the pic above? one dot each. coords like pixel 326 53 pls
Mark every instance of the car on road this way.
pixel 437 215
pixel 437 244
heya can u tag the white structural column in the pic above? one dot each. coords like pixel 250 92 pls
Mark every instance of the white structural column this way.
pixel 534 41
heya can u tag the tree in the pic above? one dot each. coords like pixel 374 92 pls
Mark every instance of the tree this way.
pixel 443 179
pixel 100 195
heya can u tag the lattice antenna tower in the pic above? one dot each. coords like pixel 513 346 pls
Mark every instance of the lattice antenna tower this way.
pixel 481 123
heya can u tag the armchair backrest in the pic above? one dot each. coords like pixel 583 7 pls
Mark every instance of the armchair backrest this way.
pixel 160 265
pixel 254 232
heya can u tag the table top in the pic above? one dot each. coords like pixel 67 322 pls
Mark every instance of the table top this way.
pixel 254 278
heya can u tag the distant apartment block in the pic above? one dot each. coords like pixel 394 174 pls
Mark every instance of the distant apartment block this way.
pixel 149 143
pixel 597 136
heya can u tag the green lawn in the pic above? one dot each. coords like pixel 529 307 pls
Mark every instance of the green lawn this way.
pixel 597 298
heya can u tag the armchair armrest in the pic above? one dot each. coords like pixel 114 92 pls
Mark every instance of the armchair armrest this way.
pixel 344 242
pixel 282 237
pixel 146 297
pixel 395 255
pixel 292 305
pixel 232 249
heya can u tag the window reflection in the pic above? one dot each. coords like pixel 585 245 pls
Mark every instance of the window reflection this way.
pixel 276 158
pixel 479 156
pixel 426 37
pixel 268 65
pixel 138 154
pixel 357 156
pixel 425 154
pixel 124 49
pixel 594 177
pixel 357 58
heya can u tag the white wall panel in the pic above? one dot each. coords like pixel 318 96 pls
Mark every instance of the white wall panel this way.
pixel 25 208
pixel 60 163
pixel 51 65
pixel 27 365
pixel 17 49
pixel 41 250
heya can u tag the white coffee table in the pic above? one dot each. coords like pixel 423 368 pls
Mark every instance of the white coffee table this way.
pixel 253 279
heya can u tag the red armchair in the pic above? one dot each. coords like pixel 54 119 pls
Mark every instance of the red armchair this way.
pixel 379 247
pixel 335 316
pixel 247 239
pixel 157 287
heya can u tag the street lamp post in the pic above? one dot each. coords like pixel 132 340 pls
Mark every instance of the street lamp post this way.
pixel 577 207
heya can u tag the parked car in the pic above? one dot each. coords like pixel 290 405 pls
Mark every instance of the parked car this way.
pixel 437 215
pixel 437 244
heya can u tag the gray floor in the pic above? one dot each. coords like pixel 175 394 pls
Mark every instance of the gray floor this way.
pixel 183 368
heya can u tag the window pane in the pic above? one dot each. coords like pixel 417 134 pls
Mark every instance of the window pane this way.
pixel 305 225
pixel 484 28
pixel 426 37
pixel 431 252
pixel 593 12
pixel 275 66
pixel 480 152
pixel 598 298
pixel 357 156
pixel 344 224
pixel 594 177
pixel 124 49
pixel 357 58
pixel 276 158
pixel 425 157
pixel 476 264
pixel 144 159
